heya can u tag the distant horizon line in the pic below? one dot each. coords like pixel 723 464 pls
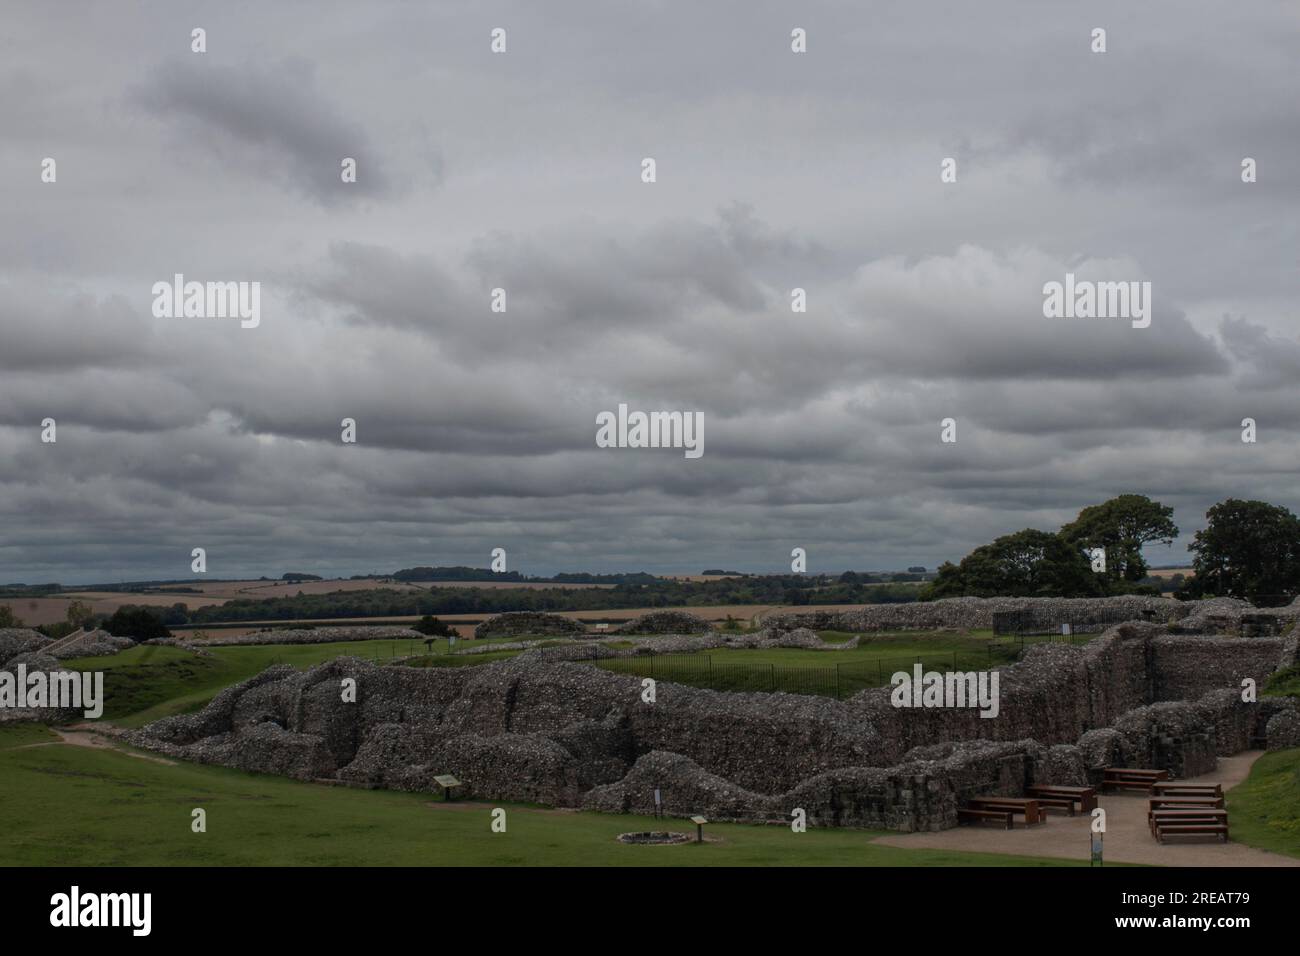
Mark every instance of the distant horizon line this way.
pixel 489 576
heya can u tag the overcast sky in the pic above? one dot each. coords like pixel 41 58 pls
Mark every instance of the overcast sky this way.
pixel 522 170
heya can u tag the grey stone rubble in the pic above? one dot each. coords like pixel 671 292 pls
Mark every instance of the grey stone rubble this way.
pixel 665 622
pixel 97 643
pixel 688 643
pixel 30 648
pixel 799 637
pixel 316 635
pixel 514 623
pixel 1219 615
pixel 668 644
pixel 535 729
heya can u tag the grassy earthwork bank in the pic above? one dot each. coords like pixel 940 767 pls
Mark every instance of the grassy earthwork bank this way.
pixel 66 805
pixel 1265 807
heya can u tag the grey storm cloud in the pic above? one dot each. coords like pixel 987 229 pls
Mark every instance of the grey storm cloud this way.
pixel 522 172
pixel 272 118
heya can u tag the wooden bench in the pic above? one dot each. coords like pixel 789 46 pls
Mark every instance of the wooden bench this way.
pixel 1131 778
pixel 1157 817
pixel 1188 803
pixel 1023 805
pixel 971 815
pixel 1172 788
pixel 1086 797
pixel 1192 829
pixel 1055 803
pixel 1195 816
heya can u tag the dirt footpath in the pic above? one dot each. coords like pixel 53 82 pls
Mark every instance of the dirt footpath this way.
pixel 1127 840
pixel 96 737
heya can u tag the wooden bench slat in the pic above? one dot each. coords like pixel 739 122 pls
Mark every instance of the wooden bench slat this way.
pixel 1006 816
pixel 1192 829
pixel 1086 797
pixel 1025 805
pixel 1173 803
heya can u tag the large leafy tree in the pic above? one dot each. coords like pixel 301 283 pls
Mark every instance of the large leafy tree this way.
pixel 137 623
pixel 1122 526
pixel 1248 549
pixel 1029 563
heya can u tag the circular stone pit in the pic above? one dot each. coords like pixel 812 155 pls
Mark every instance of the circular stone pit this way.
pixel 655 838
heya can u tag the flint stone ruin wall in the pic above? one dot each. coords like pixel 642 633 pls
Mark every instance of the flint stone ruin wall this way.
pixel 681 644
pixel 568 734
pixel 514 623
pixel 291 635
pixel 1059 691
pixel 977 613
pixel 666 622
pixel 1184 667
pixel 31 648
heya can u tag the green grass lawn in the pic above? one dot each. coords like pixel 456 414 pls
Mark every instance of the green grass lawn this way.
pixel 66 806
pixel 828 672
pixel 1264 809
pixel 1284 682
pixel 21 735
pixel 796 670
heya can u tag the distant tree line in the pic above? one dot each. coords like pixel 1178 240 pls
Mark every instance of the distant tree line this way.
pixel 461 573
pixel 788 589
pixel 1248 549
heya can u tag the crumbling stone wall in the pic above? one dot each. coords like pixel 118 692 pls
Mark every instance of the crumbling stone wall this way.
pixel 568 734
pixel 1184 667
pixel 514 623
pixel 296 635
pixel 977 613
pixel 96 643
pixel 666 622
pixel 19 645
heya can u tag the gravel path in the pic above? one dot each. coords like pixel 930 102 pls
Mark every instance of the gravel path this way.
pixel 1127 840
pixel 94 737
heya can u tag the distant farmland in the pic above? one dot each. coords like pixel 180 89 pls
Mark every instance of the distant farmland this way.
pixel 49 610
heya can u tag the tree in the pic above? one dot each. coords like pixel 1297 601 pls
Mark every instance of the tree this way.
pixel 1122 526
pixel 8 618
pixel 79 613
pixel 1248 549
pixel 1029 563
pixel 137 623
pixel 433 627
